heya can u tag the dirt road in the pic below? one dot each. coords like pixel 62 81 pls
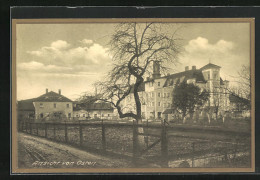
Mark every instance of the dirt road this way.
pixel 35 152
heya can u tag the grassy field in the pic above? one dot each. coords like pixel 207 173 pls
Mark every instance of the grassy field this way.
pixel 182 144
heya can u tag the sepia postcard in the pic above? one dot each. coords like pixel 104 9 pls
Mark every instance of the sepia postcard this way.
pixel 133 95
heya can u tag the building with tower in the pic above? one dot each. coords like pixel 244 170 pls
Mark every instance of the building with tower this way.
pixel 156 92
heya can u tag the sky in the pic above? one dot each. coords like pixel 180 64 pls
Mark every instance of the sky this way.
pixel 72 57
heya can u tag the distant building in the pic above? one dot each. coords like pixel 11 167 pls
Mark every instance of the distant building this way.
pixel 52 105
pixel 97 110
pixel 25 109
pixel 239 106
pixel 156 92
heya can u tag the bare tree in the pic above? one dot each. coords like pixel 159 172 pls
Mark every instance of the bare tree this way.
pixel 135 47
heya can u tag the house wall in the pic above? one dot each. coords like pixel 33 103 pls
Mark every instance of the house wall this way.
pixel 102 114
pixel 80 115
pixel 46 108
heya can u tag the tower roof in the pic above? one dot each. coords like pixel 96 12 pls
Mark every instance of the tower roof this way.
pixel 209 66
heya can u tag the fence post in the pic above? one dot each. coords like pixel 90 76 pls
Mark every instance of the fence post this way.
pixel 30 128
pixel 135 143
pixel 164 145
pixel 22 123
pixel 80 135
pixel 45 127
pixel 37 133
pixel 26 127
pixel 103 137
pixel 54 131
pixel 193 151
pixel 66 133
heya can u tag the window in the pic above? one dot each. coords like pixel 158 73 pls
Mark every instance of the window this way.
pixel 159 94
pixel 168 95
pixel 54 105
pixel 208 76
pixel 164 104
pixel 41 105
pixel 152 94
pixel 69 115
pixel 159 83
pixel 108 115
pixel 102 115
pixel 152 103
pixel 159 103
pixel 41 115
pixel 164 95
pixel 169 105
pixel 215 75
pixel 68 105
pixel 159 114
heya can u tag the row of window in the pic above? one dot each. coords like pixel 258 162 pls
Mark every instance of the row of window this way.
pixel 151 95
pixel 151 84
pixel 88 115
pixel 54 105
pixel 151 104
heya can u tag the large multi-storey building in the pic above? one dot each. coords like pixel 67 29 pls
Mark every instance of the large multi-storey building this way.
pixel 156 92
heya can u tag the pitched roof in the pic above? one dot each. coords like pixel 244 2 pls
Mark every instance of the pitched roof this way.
pixel 210 65
pixel 52 97
pixel 93 106
pixel 190 74
pixel 236 99
pixel 25 105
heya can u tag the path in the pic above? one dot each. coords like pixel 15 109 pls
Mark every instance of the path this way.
pixel 36 152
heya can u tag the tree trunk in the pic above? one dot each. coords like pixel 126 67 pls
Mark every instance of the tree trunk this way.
pixel 208 118
pixel 140 139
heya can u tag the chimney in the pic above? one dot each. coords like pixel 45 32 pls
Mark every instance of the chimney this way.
pixel 193 67
pixel 46 90
pixel 186 68
pixel 156 69
pixel 59 91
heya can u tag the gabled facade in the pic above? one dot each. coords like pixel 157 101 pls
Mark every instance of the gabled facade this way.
pixel 53 105
pixel 156 93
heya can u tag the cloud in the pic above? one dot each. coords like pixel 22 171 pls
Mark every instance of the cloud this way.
pixel 60 44
pixel 39 67
pixel 61 53
pixel 200 51
pixel 202 45
pixel 86 41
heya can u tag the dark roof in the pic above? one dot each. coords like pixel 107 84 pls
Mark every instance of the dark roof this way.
pixel 52 97
pixel 210 65
pixel 190 74
pixel 25 105
pixel 99 106
pixel 221 81
pixel 233 98
pixel 93 106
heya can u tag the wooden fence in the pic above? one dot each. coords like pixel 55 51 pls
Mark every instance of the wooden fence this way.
pixel 122 139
